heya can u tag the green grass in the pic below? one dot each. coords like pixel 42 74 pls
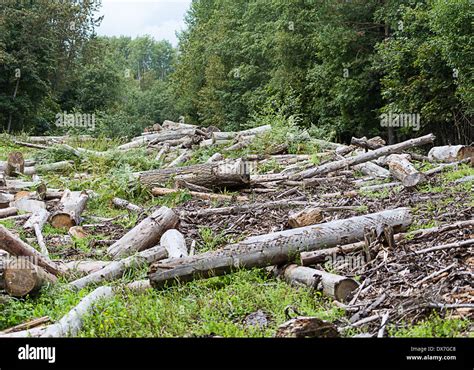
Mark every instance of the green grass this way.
pixel 215 306
pixel 433 327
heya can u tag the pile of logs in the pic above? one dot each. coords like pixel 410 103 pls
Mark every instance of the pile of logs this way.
pixel 156 241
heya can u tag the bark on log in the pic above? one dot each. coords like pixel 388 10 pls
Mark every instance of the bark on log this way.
pixel 17 247
pixel 23 277
pixel 275 248
pixel 335 286
pixel 125 204
pixel 216 157
pixel 15 164
pixel 403 170
pixel 233 173
pixel 306 217
pixel 72 322
pixel 182 158
pixel 7 212
pixel 146 234
pixel 204 196
pixel 373 143
pixel 232 135
pixel 70 209
pixel 174 243
pixel 84 267
pixel 170 125
pixel 116 269
pixel 51 167
pixel 161 154
pixel 365 157
pixel 29 205
pixel 39 216
pixel 451 153
pixel 3 181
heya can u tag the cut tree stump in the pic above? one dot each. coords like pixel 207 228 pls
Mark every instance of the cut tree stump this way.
pixel 23 277
pixel 146 234
pixel 224 174
pixel 275 248
pixel 17 247
pixel 365 157
pixel 403 170
pixel 15 164
pixel 335 286
pixel 69 210
pixel 307 217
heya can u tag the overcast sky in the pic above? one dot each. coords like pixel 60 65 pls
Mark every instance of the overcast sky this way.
pixel 158 18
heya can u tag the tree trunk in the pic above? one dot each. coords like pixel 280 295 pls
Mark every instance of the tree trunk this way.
pixel 174 243
pixel 116 269
pixel 23 277
pixel 17 247
pixel 51 167
pixel 146 234
pixel 403 170
pixel 337 287
pixel 275 248
pixel 125 204
pixel 72 322
pixel 365 157
pixel 231 135
pixel 233 173
pixel 373 143
pixel 6 212
pixel 70 209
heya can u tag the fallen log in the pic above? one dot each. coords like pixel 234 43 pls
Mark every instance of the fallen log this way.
pixel 17 247
pixel 27 325
pixel 174 243
pixel 162 153
pixel 232 135
pixel 72 322
pixel 337 287
pixel 7 212
pixel 182 158
pixel 51 167
pixel 116 269
pixel 125 204
pixel 365 157
pixel 403 170
pixel 146 234
pixel 23 277
pixel 373 143
pixel 70 208
pixel 170 125
pixel 461 244
pixel 3 181
pixel 204 196
pixel 450 153
pixel 84 267
pixel 275 248
pixel 233 173
pixel 25 204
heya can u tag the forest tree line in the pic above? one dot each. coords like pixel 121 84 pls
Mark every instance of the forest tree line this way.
pixel 334 66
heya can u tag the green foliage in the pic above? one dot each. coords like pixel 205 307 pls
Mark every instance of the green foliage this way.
pixel 433 327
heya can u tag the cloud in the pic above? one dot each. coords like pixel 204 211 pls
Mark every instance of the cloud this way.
pixel 158 18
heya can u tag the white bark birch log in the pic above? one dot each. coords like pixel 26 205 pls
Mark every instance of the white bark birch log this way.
pixel 174 243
